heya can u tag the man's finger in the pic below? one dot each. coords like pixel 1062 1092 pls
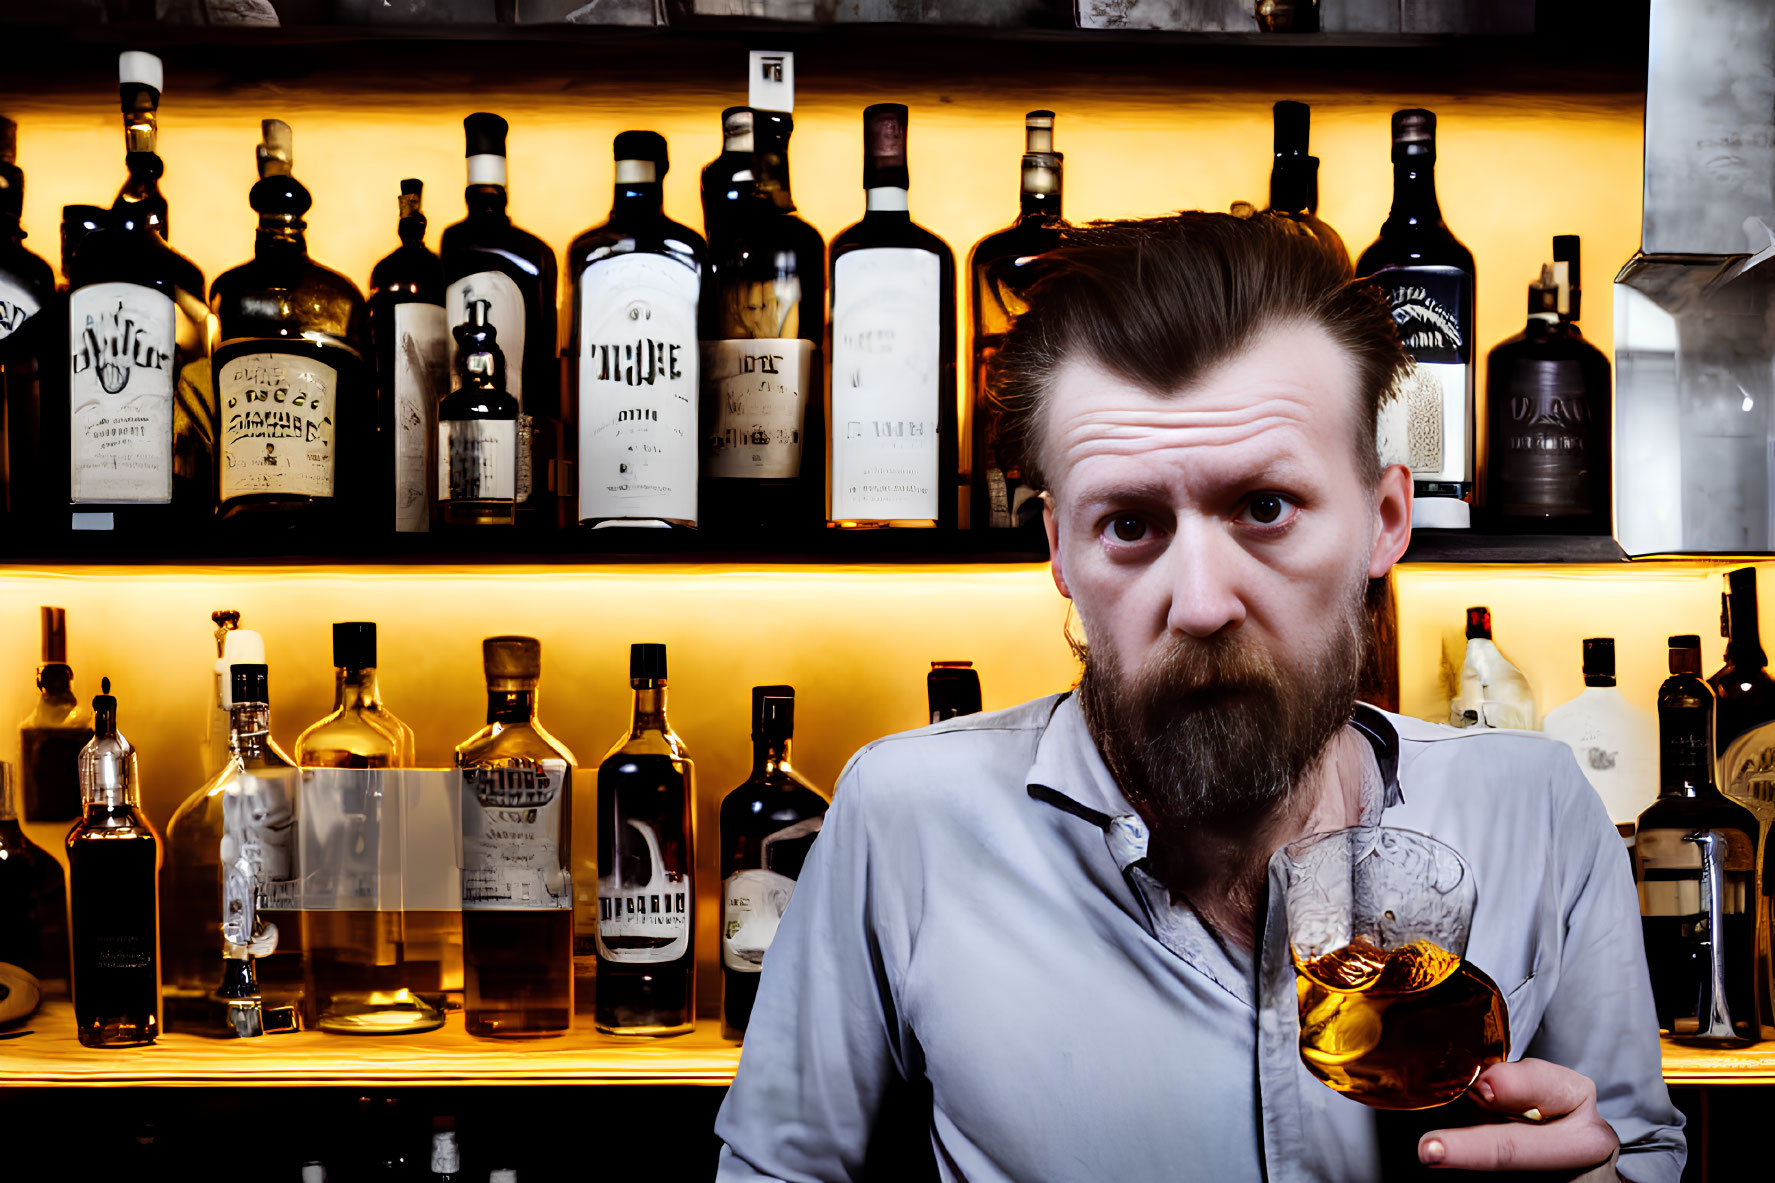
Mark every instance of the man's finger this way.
pixel 1571 1145
pixel 1550 1090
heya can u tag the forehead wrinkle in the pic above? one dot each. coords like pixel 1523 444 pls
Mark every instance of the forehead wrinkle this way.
pixel 1106 432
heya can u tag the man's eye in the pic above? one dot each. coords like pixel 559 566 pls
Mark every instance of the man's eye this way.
pixel 1269 509
pixel 1127 529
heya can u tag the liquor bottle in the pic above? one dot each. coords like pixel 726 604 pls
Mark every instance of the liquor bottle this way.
pixel 646 960
pixel 359 732
pixel 487 258
pixel 1428 280
pixel 478 433
pixel 234 645
pixel 768 825
pixel 1612 739
pixel 1695 860
pixel 637 285
pixel 763 409
pixel 411 340
pixel 53 735
pixel 997 267
pixel 27 300
pixel 298 411
pixel 141 422
pixel 113 859
pixel 517 825
pixel 1742 686
pixel 1492 692
pixel 446 1159
pixel 893 430
pixel 953 688
pixel 728 182
pixel 1294 177
pixel 255 788
pixel 1547 394
pixel 33 898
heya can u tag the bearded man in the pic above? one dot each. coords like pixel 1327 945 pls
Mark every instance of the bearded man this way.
pixel 1063 919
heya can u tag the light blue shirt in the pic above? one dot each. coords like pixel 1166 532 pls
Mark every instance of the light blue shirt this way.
pixel 977 911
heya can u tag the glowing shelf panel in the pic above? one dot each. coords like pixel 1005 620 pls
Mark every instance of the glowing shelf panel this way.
pixel 1696 1066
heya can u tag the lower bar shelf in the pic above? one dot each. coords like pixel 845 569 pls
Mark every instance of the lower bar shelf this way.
pixel 1705 1067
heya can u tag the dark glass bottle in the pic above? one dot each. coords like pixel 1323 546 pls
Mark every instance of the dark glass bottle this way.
pixel 997 267
pixel 894 451
pixel 729 183
pixel 763 410
pixel 298 411
pixel 113 862
pixel 411 340
pixel 140 431
pixel 953 688
pixel 1548 416
pixel 487 258
pixel 646 917
pixel 33 898
pixel 53 735
pixel 517 883
pixel 49 514
pixel 1685 954
pixel 1743 687
pixel 638 281
pixel 768 825
pixel 27 308
pixel 478 433
pixel 1429 280
pixel 1294 177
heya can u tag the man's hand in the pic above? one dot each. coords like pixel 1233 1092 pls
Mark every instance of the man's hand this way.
pixel 1555 1125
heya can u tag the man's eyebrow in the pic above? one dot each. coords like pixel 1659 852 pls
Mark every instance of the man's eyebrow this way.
pixel 1284 471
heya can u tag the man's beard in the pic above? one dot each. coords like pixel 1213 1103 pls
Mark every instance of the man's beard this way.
pixel 1217 733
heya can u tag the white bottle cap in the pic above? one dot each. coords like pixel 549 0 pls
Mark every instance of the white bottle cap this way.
pixel 142 69
pixel 313 1172
pixel 444 1157
pixel 503 1175
pixel 242 646
pixel 772 86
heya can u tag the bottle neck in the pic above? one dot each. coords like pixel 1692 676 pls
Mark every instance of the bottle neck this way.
pixel 887 202
pixel 281 234
pixel 412 230
pixel 769 755
pixel 650 706
pixel 511 706
pixel 1414 193
pixel 485 201
pixel 637 199
pixel 56 681
pixel 1294 186
pixel 1599 681
pixel 770 164
pixel 139 202
pixel 1040 207
pixel 249 729
pixel 1744 645
pixel 356 689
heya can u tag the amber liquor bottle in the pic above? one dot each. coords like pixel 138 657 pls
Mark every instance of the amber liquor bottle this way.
pixel 410 337
pixel 1742 686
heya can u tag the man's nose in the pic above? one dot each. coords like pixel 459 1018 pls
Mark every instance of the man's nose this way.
pixel 1203 582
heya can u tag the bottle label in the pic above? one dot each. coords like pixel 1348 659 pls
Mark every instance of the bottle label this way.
pixel 277 424
pixel 478 459
pixel 122 338
pixel 1542 465
pixel 638 432
pixel 758 389
pixel 261 826
pixel 643 910
pixel 17 305
pixel 753 902
pixel 1669 871
pixel 505 312
pixel 1434 397
pixel 886 385
pixel 421 363
pixel 511 837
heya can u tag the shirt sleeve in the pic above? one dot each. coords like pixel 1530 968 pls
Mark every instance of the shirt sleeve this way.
pixel 1600 1020
pixel 822 1045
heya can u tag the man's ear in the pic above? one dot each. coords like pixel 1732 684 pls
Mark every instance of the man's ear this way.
pixel 1052 526
pixel 1392 519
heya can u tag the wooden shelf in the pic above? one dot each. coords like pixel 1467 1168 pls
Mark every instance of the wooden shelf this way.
pixel 1694 1066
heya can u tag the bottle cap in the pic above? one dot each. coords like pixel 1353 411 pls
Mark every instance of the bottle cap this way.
pixel 642 145
pixel 354 645
pixel 1293 124
pixel 411 198
pixel 1038 131
pixel 314 1172
pixel 952 688
pixel 485 134
pixel 1414 135
pixel 248 684
pixel 884 146
pixel 736 129
pixel 773 712
pixel 1685 654
pixel 135 68
pixel 104 709
pixel 1686 641
pixel 277 148
pixel 1479 623
pixel 55 636
pixel 647 663
pixel 511 663
pixel 240 647
pixel 502 1175
pixel 772 81
pixel 445 1159
pixel 1599 661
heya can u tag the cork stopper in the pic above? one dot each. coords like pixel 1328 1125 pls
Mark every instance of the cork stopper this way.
pixel 277 151
pixel 55 636
pixel 412 192
pixel 511 663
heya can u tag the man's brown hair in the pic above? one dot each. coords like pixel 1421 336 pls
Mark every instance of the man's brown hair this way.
pixel 1160 301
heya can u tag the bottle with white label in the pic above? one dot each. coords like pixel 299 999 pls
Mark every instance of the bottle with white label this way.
pixel 638 280
pixel 763 405
pixel 1491 692
pixel 893 430
pixel 139 423
pixel 27 306
pixel 298 432
pixel 768 825
pixel 477 444
pixel 639 927
pixel 1615 742
pixel 487 258
pixel 410 338
pixel 1428 280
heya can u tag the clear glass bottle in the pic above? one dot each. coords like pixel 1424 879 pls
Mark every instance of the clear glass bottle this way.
pixel 52 736
pixel 1294 177
pixel 359 732
pixel 477 446
pixel 953 689
pixel 646 842
pixel 410 338
pixel 298 435
pixel 638 283
pixel 1614 740
pixel 257 776
pixel 517 828
pixel 768 825
pixel 1744 691
pixel 1492 692
pixel 33 898
pixel 113 861
pixel 27 310
pixel 894 450
pixel 997 270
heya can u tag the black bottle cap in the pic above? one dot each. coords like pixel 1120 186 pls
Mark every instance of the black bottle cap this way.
pixel 642 145
pixel 412 187
pixel 1685 655
pixel 1743 583
pixel 1686 641
pixel 884 146
pixel 1293 121
pixel 1414 135
pixel 249 683
pixel 1479 623
pixel 485 134
pixel 647 663
pixel 953 688
pixel 1599 661
pixel 773 712
pixel 354 645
